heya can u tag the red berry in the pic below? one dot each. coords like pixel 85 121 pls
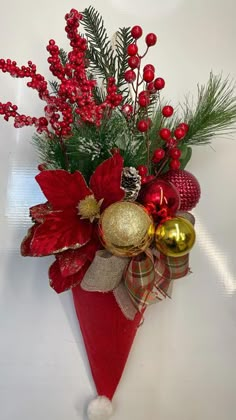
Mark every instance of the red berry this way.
pixel 175 164
pixel 143 98
pixel 167 111
pixel 142 126
pixel 42 167
pixel 147 178
pixel 165 133
pixel 175 153
pixel 132 49
pixel 127 110
pixel 179 133
pixel 142 170
pixel 149 67
pixel 151 39
pixel 184 126
pixel 158 155
pixel 136 32
pixel 151 87
pixel 115 150
pixel 143 101
pixel 130 76
pixel 134 61
pixel 159 83
pixel 171 143
pixel 148 75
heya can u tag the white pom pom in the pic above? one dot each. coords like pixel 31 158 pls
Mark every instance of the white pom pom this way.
pixel 100 409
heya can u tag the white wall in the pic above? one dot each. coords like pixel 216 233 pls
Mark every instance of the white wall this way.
pixel 182 365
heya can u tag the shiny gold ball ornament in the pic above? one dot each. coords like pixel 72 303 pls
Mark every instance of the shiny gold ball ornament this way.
pixel 126 229
pixel 175 237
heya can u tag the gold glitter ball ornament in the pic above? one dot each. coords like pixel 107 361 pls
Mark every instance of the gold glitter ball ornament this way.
pixel 175 237
pixel 126 229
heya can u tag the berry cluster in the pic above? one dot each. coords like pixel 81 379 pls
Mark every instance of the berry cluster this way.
pixel 170 151
pixel 134 76
pixel 74 101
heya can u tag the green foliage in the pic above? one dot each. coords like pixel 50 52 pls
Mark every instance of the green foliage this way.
pixel 214 113
pixel 100 52
pixel 63 56
pixel 122 39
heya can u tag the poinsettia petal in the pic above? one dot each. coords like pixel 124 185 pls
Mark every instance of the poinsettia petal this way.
pixel 106 181
pixel 38 212
pixel 71 261
pixel 25 248
pixel 60 283
pixel 63 189
pixel 61 230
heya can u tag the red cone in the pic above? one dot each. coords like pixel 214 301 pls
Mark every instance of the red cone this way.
pixel 108 337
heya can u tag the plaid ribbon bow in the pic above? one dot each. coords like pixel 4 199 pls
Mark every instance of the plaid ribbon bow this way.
pixel 148 277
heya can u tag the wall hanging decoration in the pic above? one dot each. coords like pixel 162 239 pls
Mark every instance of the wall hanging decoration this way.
pixel 113 154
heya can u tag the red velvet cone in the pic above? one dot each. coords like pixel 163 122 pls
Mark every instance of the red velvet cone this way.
pixel 108 337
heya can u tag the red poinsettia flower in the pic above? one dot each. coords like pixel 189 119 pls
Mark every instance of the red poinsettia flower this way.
pixel 63 226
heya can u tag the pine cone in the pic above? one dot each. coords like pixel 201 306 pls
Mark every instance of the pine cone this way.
pixel 131 183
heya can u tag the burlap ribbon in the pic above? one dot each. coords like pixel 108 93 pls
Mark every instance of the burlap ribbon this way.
pixel 136 282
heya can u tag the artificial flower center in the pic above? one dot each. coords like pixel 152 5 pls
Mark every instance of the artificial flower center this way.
pixel 89 208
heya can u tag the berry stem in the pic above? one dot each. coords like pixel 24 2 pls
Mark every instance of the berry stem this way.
pixel 158 172
pixel 136 93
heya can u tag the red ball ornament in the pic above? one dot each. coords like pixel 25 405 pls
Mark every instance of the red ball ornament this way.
pixel 187 185
pixel 159 83
pixel 167 111
pixel 132 49
pixel 130 76
pixel 161 198
pixel 136 32
pixel 151 39
pixel 148 76
pixel 165 133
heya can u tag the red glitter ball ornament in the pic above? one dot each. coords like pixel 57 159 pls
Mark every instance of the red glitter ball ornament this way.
pixel 187 186
pixel 160 198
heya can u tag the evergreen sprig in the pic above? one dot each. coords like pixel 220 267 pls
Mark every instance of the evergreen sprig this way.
pixel 100 53
pixel 214 113
pixel 122 39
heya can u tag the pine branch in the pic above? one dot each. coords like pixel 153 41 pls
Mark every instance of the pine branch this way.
pixel 123 39
pixel 100 52
pixel 54 85
pixel 214 113
pixel 63 57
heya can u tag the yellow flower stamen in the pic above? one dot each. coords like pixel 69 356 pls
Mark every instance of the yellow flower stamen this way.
pixel 89 208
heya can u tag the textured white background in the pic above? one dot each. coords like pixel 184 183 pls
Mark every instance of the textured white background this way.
pixel 182 365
